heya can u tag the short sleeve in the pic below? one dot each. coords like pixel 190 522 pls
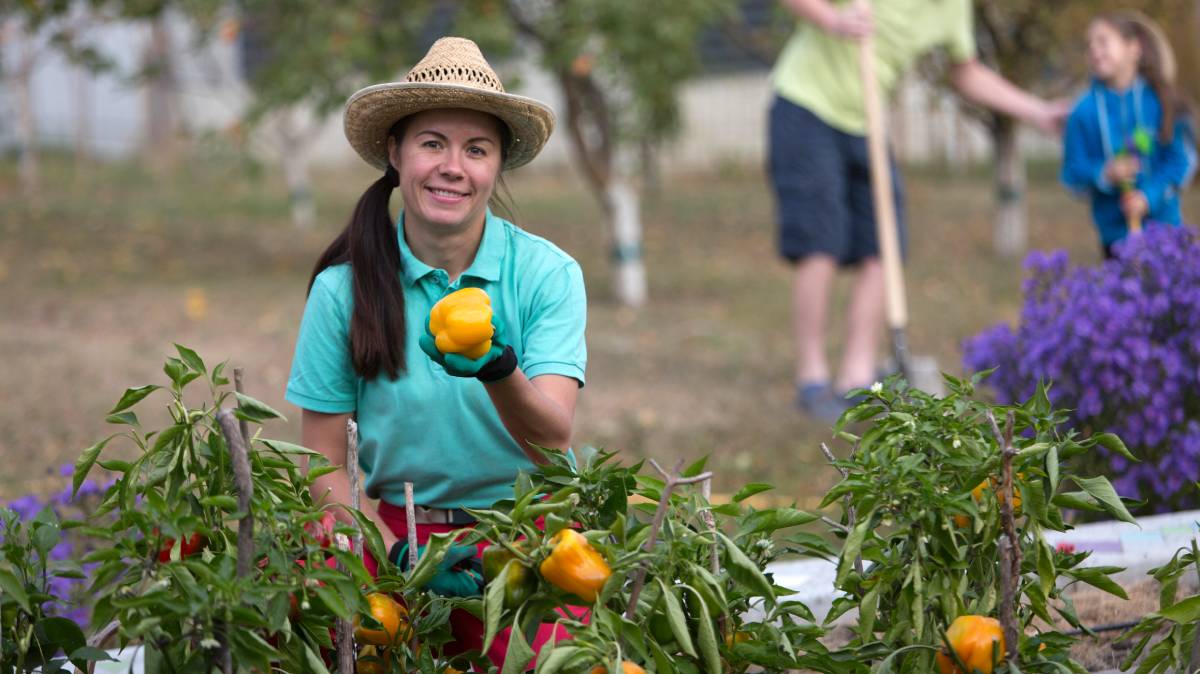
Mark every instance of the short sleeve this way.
pixel 961 41
pixel 554 335
pixel 323 377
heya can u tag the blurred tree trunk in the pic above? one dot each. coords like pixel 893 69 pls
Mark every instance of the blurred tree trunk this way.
pixel 610 178
pixel 19 79
pixel 294 155
pixel 162 110
pixel 1010 225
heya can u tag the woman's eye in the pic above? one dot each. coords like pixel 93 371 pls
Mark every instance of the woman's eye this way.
pixel 477 151
pixel 432 144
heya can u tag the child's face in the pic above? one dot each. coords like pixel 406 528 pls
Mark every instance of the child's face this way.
pixel 1111 57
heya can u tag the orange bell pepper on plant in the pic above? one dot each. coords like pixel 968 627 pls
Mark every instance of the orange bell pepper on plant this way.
pixel 461 322
pixel 972 637
pixel 574 566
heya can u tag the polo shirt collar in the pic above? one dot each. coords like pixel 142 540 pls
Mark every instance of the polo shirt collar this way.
pixel 485 266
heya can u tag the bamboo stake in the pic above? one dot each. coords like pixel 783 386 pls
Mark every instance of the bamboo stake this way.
pixel 672 480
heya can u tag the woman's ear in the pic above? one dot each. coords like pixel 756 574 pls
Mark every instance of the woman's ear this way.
pixel 394 152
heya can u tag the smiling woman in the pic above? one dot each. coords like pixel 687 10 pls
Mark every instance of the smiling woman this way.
pixel 458 428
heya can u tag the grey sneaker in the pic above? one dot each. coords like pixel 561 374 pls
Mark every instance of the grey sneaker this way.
pixel 818 400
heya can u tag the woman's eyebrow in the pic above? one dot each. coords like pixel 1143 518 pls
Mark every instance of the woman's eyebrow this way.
pixel 443 136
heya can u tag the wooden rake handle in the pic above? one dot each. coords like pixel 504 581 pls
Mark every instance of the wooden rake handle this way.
pixel 881 189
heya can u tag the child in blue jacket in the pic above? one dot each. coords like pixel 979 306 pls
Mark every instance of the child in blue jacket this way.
pixel 1128 143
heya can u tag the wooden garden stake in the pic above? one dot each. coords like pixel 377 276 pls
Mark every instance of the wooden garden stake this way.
pixel 410 512
pixel 1010 548
pixel 345 630
pixel 237 386
pixel 240 455
pixel 711 522
pixel 672 480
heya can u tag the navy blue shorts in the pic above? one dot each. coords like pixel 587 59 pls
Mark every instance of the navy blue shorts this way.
pixel 822 182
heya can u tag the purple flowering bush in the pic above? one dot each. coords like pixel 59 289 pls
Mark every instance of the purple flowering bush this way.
pixel 1121 345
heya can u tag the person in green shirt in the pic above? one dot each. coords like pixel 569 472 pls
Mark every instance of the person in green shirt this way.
pixel 820 172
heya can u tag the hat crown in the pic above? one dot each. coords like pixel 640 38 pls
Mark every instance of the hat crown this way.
pixel 455 60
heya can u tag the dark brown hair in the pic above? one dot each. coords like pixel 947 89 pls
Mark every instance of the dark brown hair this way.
pixel 370 245
pixel 1155 65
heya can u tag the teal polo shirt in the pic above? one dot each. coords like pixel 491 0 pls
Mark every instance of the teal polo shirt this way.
pixel 439 432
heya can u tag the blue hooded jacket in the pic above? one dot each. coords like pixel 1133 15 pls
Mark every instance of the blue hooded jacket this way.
pixel 1102 112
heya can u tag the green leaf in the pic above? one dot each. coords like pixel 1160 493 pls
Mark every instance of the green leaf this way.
pixel 60 633
pixel 677 620
pixel 1076 500
pixel 86 654
pixel 83 465
pixel 852 548
pixel 289 448
pixel 558 657
pixel 1102 490
pixel 1097 578
pixel 432 555
pixel 1052 468
pixel 250 409
pixel 707 637
pixel 1113 443
pixel 132 396
pixel 493 607
pixel 519 653
pixel 866 615
pixel 744 570
pixel 1183 612
pixel 122 418
pixel 13 588
pixel 313 661
pixel 226 503
pixel 750 490
pixel 193 361
pixel 1045 566
pixel 696 468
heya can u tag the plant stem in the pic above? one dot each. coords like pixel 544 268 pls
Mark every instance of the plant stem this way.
pixel 671 480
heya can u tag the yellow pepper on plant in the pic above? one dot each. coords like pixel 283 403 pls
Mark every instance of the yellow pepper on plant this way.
pixel 973 638
pixel 574 566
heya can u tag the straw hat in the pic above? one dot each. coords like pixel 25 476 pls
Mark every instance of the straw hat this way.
pixel 453 74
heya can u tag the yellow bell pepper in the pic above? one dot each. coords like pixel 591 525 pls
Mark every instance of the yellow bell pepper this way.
pixel 461 322
pixel 972 637
pixel 574 566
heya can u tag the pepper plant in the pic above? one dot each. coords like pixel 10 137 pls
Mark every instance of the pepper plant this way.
pixel 682 590
pixel 1176 623
pixel 167 573
pixel 921 521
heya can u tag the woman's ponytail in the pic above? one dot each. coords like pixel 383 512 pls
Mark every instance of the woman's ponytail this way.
pixel 369 244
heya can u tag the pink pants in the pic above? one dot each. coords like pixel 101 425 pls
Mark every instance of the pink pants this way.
pixel 468 630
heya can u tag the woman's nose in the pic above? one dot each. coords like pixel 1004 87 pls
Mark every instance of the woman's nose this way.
pixel 451 164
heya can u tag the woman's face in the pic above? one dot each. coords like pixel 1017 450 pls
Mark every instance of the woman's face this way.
pixel 1111 56
pixel 448 162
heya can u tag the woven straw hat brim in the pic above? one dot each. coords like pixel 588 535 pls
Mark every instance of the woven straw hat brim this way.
pixel 370 112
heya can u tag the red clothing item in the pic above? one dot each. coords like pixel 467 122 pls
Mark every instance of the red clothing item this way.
pixel 468 630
